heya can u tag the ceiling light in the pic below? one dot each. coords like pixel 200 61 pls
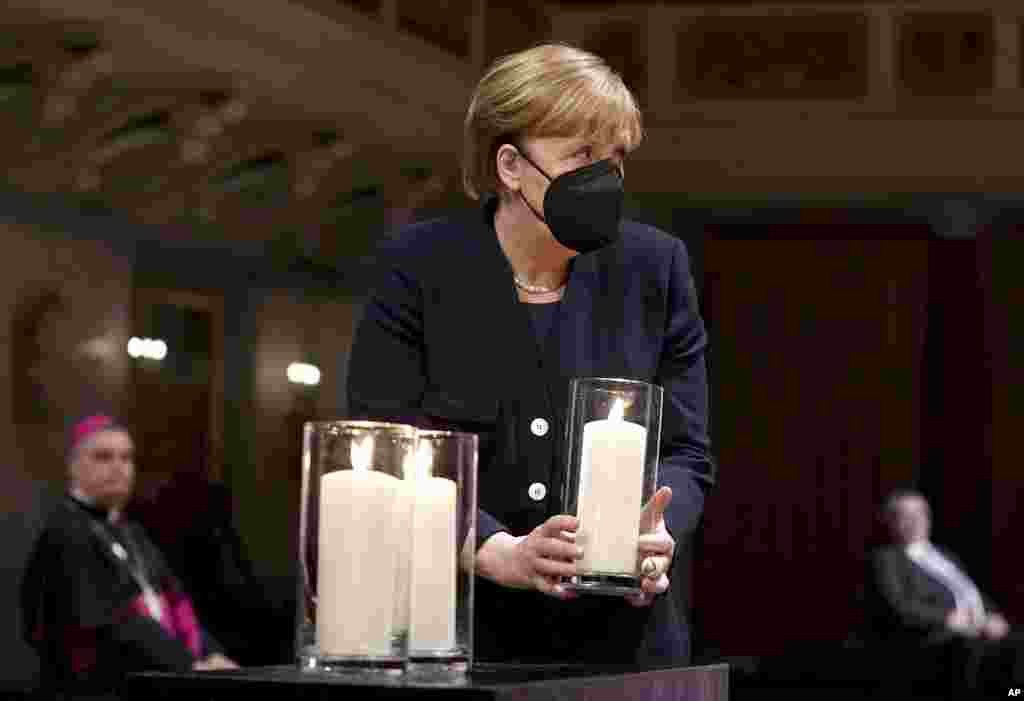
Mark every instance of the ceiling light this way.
pixel 303 374
pixel 147 348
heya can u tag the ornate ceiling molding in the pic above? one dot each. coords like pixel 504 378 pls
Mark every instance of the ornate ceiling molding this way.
pixel 366 76
pixel 117 123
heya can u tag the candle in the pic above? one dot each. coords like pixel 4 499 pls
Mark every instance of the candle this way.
pixel 357 566
pixel 611 480
pixel 432 587
pixel 432 606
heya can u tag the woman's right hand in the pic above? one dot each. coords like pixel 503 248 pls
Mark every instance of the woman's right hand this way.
pixel 538 560
pixel 214 662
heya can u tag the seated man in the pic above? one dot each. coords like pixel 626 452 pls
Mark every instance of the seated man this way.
pixel 97 597
pixel 921 595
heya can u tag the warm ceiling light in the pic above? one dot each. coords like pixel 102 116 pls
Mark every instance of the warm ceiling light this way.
pixel 342 150
pixel 102 62
pixel 208 125
pixel 59 108
pixel 234 111
pixel 306 187
pixel 147 348
pixel 303 374
pixel 194 150
pixel 87 180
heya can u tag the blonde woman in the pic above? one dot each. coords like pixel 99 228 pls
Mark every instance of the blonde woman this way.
pixel 479 322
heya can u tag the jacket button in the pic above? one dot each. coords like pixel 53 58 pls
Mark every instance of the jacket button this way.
pixel 537 491
pixel 539 427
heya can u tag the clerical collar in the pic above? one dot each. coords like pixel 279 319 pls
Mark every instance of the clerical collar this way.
pixel 90 506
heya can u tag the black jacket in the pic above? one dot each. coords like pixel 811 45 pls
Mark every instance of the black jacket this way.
pixel 444 343
pixel 906 601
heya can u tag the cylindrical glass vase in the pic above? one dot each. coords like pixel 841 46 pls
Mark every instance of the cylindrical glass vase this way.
pixel 614 432
pixel 443 484
pixel 354 547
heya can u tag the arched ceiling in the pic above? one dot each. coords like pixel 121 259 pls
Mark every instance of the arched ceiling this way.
pixel 90 112
pixel 305 118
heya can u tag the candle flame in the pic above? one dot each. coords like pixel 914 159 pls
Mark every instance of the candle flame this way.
pixel 424 460
pixel 419 464
pixel 409 466
pixel 618 410
pixel 362 454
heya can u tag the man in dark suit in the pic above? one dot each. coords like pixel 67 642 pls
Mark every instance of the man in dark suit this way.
pixel 922 597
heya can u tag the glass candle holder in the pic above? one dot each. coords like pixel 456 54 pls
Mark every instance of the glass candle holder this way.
pixel 614 433
pixel 354 547
pixel 442 481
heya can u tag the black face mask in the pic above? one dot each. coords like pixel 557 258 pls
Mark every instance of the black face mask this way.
pixel 583 207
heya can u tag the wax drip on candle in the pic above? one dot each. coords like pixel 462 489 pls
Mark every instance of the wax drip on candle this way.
pixel 362 454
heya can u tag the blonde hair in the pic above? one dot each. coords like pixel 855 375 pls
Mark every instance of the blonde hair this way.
pixel 552 89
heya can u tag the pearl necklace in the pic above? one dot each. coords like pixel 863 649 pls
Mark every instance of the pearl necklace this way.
pixel 535 289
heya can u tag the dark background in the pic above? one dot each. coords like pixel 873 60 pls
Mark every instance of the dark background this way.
pixel 851 205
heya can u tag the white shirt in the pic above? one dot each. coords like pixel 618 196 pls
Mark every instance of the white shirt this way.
pixel 965 593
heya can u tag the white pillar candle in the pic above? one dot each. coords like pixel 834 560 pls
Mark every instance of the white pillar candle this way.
pixel 610 493
pixel 358 554
pixel 432 606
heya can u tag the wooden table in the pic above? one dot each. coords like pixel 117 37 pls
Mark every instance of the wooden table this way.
pixel 487 682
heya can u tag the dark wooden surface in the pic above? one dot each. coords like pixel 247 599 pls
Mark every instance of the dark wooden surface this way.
pixel 490 682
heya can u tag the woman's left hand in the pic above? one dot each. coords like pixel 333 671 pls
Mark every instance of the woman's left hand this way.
pixel 655 549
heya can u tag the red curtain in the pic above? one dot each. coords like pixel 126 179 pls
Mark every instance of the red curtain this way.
pixel 818 335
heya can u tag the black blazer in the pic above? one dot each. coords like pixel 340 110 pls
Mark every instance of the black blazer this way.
pixel 906 601
pixel 445 343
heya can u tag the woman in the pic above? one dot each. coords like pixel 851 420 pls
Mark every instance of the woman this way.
pixel 98 599
pixel 480 322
